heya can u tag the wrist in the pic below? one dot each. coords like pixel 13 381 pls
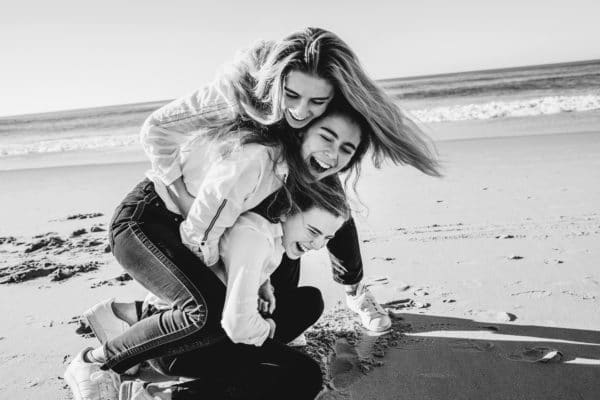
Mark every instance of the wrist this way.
pixel 272 327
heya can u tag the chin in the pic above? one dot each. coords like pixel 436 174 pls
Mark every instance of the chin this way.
pixel 296 124
pixel 292 255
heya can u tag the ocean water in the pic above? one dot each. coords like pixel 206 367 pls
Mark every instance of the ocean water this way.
pixel 479 95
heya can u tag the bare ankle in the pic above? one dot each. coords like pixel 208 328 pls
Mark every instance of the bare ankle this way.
pixel 351 289
pixel 126 312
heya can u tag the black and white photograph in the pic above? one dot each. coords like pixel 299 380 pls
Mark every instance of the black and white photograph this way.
pixel 269 200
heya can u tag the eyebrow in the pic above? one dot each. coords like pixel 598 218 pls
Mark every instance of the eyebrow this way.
pixel 315 229
pixel 332 133
pixel 298 94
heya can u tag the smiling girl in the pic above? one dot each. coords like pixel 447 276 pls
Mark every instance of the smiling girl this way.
pixel 291 82
pixel 171 256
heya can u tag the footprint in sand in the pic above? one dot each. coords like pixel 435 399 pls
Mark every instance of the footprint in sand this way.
pixel 533 293
pixel 538 355
pixel 471 345
pixel 344 365
pixel 491 316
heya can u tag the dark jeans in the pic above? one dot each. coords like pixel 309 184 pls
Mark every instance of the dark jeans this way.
pixel 273 371
pixel 144 237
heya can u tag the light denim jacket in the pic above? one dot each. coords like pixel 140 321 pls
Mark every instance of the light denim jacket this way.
pixel 171 126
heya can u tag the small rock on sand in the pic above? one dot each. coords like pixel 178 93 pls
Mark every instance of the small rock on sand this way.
pixel 78 232
pixel 97 228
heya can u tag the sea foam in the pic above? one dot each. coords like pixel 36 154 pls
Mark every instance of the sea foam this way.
pixel 463 112
pixel 509 109
pixel 68 144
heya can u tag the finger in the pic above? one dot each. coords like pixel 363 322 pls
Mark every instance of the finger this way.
pixel 340 269
pixel 261 305
pixel 272 306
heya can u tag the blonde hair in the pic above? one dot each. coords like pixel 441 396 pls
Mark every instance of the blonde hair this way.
pixel 258 77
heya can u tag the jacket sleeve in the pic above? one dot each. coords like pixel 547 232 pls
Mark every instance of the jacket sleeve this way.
pixel 168 128
pixel 219 202
pixel 245 257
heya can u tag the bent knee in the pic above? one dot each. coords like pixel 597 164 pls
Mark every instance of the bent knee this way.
pixel 313 299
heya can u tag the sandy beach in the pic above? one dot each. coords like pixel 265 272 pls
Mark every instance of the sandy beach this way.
pixel 485 271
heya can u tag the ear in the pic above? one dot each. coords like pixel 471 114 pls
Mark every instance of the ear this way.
pixel 283 218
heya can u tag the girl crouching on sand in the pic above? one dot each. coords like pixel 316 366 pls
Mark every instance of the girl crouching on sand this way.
pixel 256 363
pixel 292 82
pixel 160 249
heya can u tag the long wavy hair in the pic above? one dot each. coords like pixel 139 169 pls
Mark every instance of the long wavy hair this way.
pixel 257 78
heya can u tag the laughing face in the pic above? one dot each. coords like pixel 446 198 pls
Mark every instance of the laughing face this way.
pixel 305 97
pixel 308 230
pixel 329 144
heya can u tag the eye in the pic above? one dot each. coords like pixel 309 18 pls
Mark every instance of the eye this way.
pixel 347 150
pixel 327 138
pixel 291 95
pixel 318 102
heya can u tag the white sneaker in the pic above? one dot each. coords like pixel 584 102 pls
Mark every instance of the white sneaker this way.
pixel 372 315
pixel 106 325
pixel 88 382
pixel 134 390
pixel 300 341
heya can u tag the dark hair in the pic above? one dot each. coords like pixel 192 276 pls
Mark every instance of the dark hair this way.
pixel 286 203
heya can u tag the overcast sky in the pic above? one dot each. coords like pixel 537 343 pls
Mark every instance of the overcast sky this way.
pixel 72 54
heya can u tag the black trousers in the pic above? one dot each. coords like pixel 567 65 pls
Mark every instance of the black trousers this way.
pixel 272 371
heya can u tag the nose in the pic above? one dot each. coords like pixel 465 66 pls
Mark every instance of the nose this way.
pixel 332 152
pixel 301 109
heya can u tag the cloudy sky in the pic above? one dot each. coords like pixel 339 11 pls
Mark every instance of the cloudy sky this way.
pixel 72 54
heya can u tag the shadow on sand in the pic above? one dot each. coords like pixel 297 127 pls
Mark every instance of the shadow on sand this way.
pixel 456 358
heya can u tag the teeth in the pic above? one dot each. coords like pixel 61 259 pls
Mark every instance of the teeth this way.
pixel 322 164
pixel 303 248
pixel 296 118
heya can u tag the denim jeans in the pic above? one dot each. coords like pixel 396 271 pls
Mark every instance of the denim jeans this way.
pixel 144 237
pixel 272 371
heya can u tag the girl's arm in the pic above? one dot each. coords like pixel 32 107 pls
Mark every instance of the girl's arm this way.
pixel 172 125
pixel 246 253
pixel 180 196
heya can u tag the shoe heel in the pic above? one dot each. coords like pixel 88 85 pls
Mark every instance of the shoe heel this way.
pixel 72 385
pixel 90 316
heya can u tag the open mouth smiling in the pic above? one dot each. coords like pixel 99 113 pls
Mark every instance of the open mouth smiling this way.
pixel 296 118
pixel 319 166
pixel 301 248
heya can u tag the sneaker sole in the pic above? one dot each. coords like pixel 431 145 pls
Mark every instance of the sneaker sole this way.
pixel 95 325
pixel 70 379
pixel 125 391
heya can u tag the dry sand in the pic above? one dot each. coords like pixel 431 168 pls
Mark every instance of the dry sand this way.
pixel 484 271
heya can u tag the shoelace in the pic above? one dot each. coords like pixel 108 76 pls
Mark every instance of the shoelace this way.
pixel 373 307
pixel 107 387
